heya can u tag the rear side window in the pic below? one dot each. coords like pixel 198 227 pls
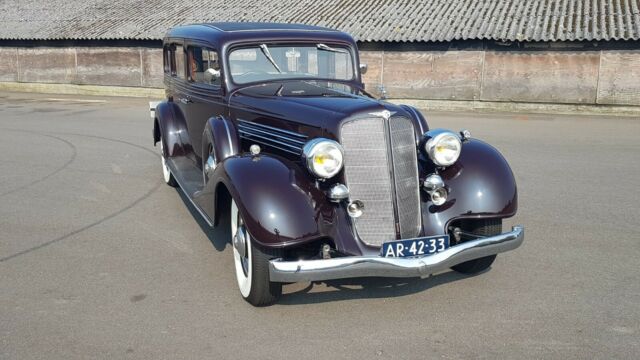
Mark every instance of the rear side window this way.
pixel 167 59
pixel 203 66
pixel 179 62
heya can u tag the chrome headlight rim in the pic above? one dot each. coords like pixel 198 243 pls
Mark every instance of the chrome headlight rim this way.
pixel 313 147
pixel 437 136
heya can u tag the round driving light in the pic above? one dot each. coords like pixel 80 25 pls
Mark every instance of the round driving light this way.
pixel 324 157
pixel 433 182
pixel 439 196
pixel 338 192
pixel 443 147
pixel 355 208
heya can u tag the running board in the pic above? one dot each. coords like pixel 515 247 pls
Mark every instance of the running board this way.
pixel 189 179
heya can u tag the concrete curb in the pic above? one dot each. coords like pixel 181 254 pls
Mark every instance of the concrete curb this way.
pixel 432 105
pixel 517 107
pixel 72 89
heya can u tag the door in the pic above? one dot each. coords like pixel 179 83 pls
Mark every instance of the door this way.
pixel 177 88
pixel 205 99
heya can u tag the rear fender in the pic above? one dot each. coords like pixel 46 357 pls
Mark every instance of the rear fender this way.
pixel 170 126
pixel 480 184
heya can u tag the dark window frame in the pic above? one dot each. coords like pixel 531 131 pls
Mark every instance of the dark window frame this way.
pixel 167 60
pixel 178 50
pixel 189 52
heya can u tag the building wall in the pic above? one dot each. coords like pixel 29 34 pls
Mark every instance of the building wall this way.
pixel 580 77
pixel 118 66
pixel 573 77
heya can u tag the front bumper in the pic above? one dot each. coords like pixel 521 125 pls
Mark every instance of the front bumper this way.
pixel 367 266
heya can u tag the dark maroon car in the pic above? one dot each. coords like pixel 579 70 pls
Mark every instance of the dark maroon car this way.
pixel 271 123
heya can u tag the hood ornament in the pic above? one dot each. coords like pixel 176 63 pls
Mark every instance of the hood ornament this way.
pixel 385 114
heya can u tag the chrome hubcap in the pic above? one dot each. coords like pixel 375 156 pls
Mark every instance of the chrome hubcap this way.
pixel 210 165
pixel 240 244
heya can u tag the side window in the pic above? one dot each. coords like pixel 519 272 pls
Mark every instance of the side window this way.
pixel 179 62
pixel 204 67
pixel 166 59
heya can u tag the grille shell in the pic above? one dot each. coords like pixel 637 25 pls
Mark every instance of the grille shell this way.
pixel 381 171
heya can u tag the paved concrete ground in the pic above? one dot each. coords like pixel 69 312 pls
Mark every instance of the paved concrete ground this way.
pixel 99 259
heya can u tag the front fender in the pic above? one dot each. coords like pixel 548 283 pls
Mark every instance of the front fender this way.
pixel 277 199
pixel 221 135
pixel 480 184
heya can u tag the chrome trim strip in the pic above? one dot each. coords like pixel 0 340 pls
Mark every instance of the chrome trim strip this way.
pixel 284 140
pixel 226 127
pixel 275 146
pixel 368 266
pixel 392 174
pixel 249 128
pixel 283 30
pixel 267 127
pixel 269 141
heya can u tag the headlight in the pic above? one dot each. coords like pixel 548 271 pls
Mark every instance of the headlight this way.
pixel 443 146
pixel 324 157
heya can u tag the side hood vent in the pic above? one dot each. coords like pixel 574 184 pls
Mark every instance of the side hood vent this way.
pixel 273 137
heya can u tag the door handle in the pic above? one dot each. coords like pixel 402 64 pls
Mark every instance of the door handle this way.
pixel 185 101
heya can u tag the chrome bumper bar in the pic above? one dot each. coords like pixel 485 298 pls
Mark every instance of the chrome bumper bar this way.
pixel 366 266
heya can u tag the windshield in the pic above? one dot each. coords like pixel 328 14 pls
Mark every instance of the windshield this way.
pixel 266 62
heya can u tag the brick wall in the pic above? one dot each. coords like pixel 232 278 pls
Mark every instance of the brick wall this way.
pixel 574 77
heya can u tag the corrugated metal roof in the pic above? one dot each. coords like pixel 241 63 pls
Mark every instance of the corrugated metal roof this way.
pixel 366 20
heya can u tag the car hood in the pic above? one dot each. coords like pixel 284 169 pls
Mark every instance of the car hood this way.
pixel 304 103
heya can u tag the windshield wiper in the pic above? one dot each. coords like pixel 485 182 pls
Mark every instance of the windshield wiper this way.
pixel 267 54
pixel 329 48
pixel 279 91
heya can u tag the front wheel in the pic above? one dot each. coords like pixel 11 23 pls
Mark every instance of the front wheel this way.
pixel 252 264
pixel 484 227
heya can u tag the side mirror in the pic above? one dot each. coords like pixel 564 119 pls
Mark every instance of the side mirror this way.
pixel 211 75
pixel 363 69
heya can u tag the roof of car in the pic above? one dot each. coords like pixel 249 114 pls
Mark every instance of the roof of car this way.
pixel 263 26
pixel 220 33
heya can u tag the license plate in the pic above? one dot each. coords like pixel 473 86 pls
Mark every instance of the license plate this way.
pixel 415 247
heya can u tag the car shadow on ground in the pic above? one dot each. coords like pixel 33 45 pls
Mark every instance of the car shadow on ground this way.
pixel 218 235
pixel 335 290
pixel 366 288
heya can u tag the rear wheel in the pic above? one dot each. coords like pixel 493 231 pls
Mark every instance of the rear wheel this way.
pixel 483 227
pixel 166 172
pixel 252 264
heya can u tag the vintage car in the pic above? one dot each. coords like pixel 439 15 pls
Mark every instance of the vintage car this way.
pixel 271 124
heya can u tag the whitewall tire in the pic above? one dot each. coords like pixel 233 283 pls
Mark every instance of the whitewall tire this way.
pixel 166 172
pixel 251 264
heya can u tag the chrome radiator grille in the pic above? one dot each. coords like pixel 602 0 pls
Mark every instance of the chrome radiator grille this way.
pixel 381 171
pixel 405 170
